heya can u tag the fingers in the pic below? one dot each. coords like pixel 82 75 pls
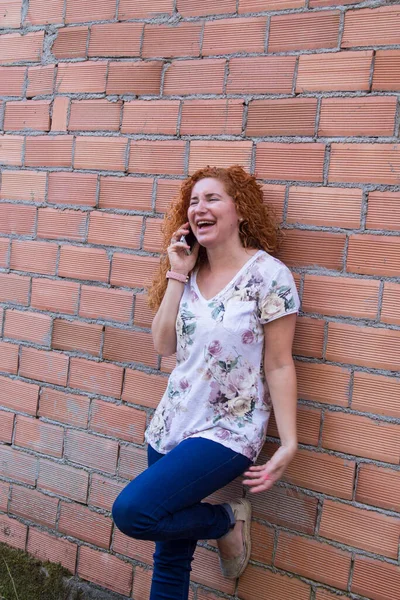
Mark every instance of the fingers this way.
pixel 182 231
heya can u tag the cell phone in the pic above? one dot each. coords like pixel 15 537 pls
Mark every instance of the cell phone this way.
pixel 189 239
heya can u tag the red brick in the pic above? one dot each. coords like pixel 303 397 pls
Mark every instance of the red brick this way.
pixel 84 263
pixel 9 357
pixel 96 377
pixel 46 547
pixel 165 41
pixel 288 116
pixel 39 436
pixel 323 383
pixel 259 584
pixel 267 5
pixel 387 70
pixel 383 210
pixel 55 224
pixel 17 465
pixel 15 47
pixel 12 80
pixel 361 436
pixel 48 151
pixel 198 8
pixel 28 326
pixel 6 426
pixel 308 425
pixel 115 39
pixel 152 241
pixel 123 422
pixel 374 255
pixel 287 508
pixel 100 153
pixel 134 78
pixel 78 12
pixel 11 150
pixel 38 14
pixel 19 395
pixel 340 295
pixel 167 190
pixel 369 116
pixel 205 117
pixel 108 304
pixel 143 316
pixel 379 487
pixel 72 188
pixel 391 305
pixel 4 493
pixel 29 114
pixel 301 161
pixel 309 337
pixel 94 115
pixel 365 529
pixel 77 336
pixel 115 230
pixel 338 71
pixel 33 505
pixel 141 583
pixel 59 115
pixel 131 9
pixel 335 207
pixel 321 3
pixel 12 532
pixel 11 13
pixel 91 451
pixel 304 31
pixel 372 27
pixel 359 163
pixel 206 571
pixel 14 289
pixel 17 219
pixel 54 295
pixel 105 570
pixel 164 157
pixel 133 461
pixel 51 367
pixel 219 154
pixel 129 346
pixel 204 76
pixel 157 116
pixel 142 388
pixel 4 252
pixel 40 80
pixel 103 491
pixel 133 271
pixel 81 77
pixel 376 394
pixel 261 75
pixel 63 480
pixel 23 185
pixel 64 407
pixel 322 473
pixel 82 523
pixel 71 42
pixel 321 593
pixel 128 193
pixel 228 36
pixel 313 560
pixel 262 538
pixel 380 580
pixel 310 248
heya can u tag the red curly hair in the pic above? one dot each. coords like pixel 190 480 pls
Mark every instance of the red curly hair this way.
pixel 257 230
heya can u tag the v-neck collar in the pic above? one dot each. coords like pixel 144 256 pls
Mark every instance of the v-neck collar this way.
pixel 228 285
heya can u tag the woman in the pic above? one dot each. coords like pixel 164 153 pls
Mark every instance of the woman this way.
pixel 219 308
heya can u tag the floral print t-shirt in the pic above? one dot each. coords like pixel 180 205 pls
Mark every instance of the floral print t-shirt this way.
pixel 218 389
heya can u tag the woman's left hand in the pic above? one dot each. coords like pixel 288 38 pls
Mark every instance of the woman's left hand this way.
pixel 262 477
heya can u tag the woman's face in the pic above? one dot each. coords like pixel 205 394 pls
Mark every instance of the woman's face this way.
pixel 212 214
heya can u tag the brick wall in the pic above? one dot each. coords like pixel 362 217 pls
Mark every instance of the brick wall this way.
pixel 105 107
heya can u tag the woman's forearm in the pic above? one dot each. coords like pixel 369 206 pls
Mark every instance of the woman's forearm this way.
pixel 283 390
pixel 163 327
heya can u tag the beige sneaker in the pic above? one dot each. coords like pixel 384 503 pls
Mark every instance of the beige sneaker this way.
pixel 234 567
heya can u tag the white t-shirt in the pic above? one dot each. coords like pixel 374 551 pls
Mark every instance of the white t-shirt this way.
pixel 218 389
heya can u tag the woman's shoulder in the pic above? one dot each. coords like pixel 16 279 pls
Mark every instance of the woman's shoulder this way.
pixel 268 264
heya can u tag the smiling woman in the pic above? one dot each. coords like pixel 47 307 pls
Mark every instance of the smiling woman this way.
pixel 220 307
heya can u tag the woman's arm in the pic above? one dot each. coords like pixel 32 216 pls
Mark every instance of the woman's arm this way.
pixel 281 379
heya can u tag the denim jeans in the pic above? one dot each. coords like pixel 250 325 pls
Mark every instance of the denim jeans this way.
pixel 163 504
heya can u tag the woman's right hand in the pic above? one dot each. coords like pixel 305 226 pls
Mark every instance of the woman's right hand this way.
pixel 180 261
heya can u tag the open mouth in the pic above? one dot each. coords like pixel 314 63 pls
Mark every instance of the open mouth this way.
pixel 205 225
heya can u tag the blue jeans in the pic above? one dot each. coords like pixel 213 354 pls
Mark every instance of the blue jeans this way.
pixel 163 504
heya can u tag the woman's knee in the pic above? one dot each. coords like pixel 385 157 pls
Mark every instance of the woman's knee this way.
pixel 130 515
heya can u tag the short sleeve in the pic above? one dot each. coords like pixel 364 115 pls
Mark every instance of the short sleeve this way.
pixel 280 297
